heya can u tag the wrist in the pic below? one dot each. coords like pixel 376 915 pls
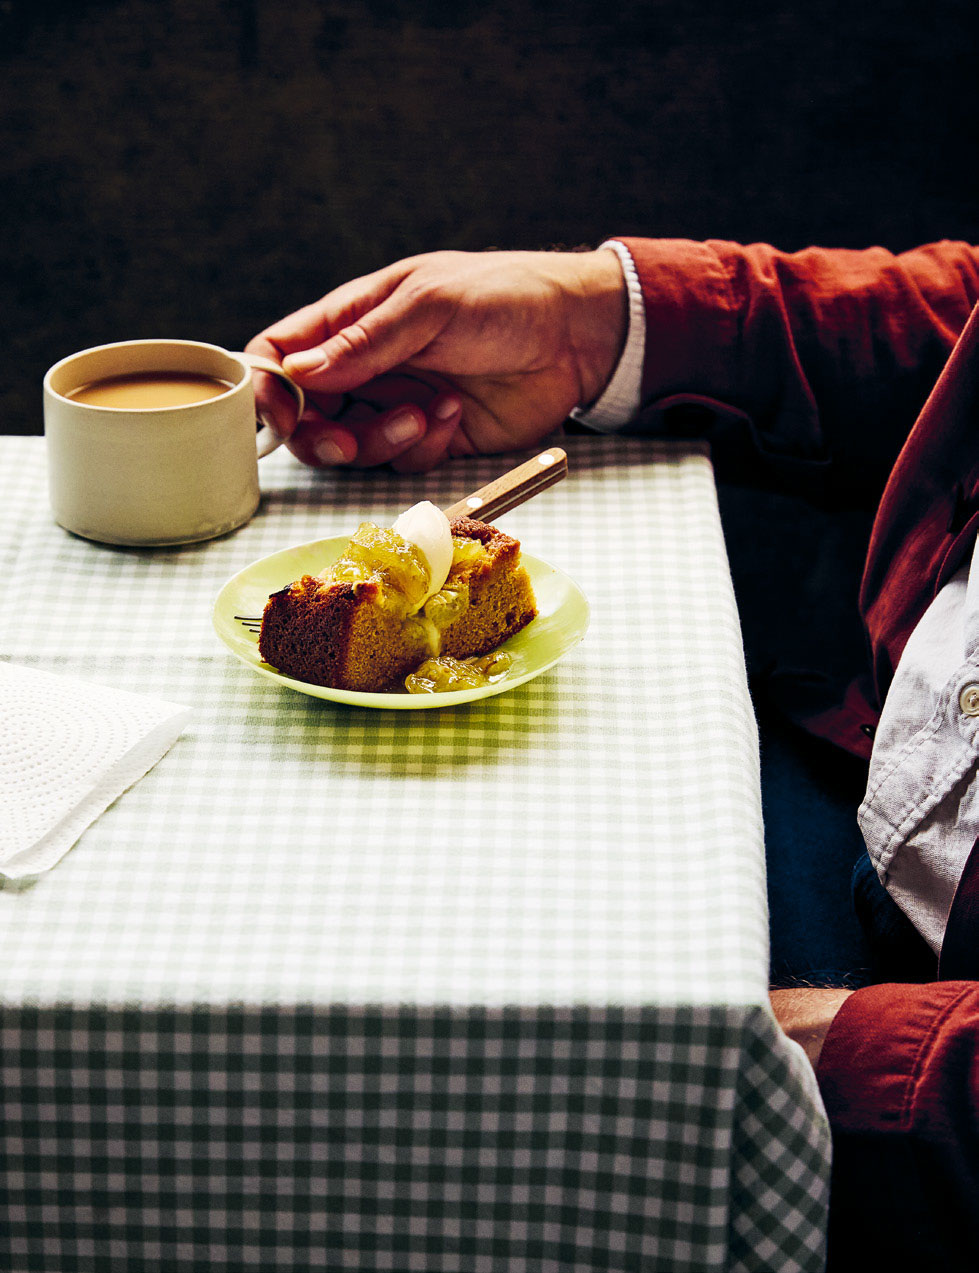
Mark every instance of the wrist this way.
pixel 599 318
pixel 806 1014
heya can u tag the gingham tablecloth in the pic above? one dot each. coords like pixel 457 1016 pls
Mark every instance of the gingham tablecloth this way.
pixel 473 990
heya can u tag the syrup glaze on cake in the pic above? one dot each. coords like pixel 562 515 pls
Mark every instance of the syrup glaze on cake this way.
pixel 365 623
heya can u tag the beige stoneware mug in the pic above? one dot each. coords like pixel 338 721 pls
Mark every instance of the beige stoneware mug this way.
pixel 157 474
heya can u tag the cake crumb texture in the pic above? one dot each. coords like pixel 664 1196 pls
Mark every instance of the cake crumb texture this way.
pixel 342 635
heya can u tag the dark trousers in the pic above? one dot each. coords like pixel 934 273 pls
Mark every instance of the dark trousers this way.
pixel 831 921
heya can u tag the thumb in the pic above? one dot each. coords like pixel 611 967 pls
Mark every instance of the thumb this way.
pixel 380 340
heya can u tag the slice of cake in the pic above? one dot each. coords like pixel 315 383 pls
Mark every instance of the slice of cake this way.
pixel 391 602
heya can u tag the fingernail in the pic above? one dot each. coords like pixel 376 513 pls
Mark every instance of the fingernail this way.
pixel 327 452
pixel 403 427
pixel 446 407
pixel 304 361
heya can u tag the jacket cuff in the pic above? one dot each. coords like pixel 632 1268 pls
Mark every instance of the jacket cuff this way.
pixel 884 1064
pixel 691 321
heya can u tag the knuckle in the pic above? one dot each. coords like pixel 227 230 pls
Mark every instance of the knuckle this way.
pixel 355 340
pixel 421 291
pixel 433 281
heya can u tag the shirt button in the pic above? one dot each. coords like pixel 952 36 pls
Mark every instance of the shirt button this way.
pixel 969 700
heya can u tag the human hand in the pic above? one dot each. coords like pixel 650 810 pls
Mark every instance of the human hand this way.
pixel 806 1014
pixel 445 354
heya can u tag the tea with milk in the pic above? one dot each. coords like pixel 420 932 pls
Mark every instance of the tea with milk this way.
pixel 149 390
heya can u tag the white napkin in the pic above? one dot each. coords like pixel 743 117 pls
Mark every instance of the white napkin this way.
pixel 68 749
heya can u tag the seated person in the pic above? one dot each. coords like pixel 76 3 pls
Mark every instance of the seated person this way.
pixel 850 379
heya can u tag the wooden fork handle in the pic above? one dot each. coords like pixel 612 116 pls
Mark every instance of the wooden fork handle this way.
pixel 513 488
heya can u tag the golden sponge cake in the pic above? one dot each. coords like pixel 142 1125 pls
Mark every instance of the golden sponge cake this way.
pixel 356 627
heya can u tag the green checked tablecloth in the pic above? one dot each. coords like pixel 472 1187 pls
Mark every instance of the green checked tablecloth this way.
pixel 470 990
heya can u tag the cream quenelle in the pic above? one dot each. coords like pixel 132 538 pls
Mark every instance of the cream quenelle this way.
pixel 427 527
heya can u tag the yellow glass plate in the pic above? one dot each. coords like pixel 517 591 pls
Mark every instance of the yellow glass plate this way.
pixel 561 622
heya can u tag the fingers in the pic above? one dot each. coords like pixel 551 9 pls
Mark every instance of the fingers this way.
pixel 388 435
pixel 433 447
pixel 274 404
pixel 409 437
pixel 381 339
pixel 321 443
pixel 312 324
pixel 396 438
pixel 363 439
pixel 353 339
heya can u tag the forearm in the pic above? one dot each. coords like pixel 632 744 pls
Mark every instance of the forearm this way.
pixel 806 1014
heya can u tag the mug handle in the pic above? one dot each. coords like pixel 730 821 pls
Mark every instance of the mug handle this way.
pixel 265 439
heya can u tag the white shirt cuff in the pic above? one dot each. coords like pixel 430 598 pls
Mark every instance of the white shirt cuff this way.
pixel 620 402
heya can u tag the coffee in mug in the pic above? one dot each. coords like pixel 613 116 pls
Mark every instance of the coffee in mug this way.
pixel 153 442
pixel 148 389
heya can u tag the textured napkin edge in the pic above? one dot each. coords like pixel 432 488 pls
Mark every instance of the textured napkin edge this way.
pixel 117 779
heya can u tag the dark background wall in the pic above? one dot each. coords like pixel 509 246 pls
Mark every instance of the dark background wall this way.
pixel 200 167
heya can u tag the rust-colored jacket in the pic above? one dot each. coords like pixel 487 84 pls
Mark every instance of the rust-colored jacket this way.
pixel 853 377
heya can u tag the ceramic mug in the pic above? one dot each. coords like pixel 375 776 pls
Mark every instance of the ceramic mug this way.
pixel 155 475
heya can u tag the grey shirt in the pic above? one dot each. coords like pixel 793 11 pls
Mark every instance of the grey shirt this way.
pixel 920 815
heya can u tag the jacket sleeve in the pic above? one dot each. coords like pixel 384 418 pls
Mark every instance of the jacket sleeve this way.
pixel 814 362
pixel 899 1074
